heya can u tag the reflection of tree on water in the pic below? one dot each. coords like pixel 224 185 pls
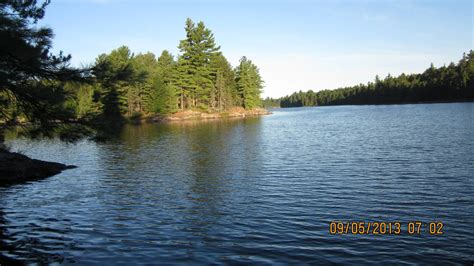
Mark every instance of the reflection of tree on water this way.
pixel 219 172
pixel 180 181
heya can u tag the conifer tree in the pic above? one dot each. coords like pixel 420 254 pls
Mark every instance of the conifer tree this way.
pixel 31 78
pixel 224 83
pixel 114 74
pixel 164 95
pixel 249 83
pixel 139 92
pixel 194 74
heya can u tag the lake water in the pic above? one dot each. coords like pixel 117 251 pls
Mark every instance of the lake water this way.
pixel 257 190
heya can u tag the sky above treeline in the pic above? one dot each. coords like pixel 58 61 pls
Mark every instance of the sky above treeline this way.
pixel 298 45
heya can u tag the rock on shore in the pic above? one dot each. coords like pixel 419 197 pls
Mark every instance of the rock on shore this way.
pixel 18 168
pixel 199 115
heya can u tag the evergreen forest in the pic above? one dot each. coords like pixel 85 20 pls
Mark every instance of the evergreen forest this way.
pixel 454 82
pixel 40 87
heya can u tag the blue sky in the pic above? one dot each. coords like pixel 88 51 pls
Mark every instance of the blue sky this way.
pixel 298 45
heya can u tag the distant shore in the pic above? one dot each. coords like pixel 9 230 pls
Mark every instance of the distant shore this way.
pixel 396 103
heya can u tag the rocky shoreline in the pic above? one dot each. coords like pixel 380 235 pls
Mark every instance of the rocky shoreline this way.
pixel 19 168
pixel 190 115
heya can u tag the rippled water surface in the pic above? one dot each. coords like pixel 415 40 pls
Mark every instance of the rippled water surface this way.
pixel 260 190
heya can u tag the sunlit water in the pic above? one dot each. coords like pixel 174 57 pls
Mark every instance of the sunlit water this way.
pixel 260 190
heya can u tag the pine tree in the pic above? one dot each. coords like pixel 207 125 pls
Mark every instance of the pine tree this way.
pixel 164 95
pixel 139 93
pixel 194 76
pixel 224 85
pixel 249 83
pixel 115 74
pixel 31 78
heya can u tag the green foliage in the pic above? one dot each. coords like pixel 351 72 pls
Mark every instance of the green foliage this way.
pixel 31 78
pixel 224 94
pixel 140 89
pixel 249 83
pixel 41 87
pixel 127 85
pixel 194 72
pixel 116 77
pixel 163 97
pixel 85 102
pixel 454 82
pixel 271 103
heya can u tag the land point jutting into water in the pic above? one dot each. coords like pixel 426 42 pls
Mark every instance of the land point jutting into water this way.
pixel 188 155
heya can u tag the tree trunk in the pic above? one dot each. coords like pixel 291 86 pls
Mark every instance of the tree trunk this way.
pixel 182 99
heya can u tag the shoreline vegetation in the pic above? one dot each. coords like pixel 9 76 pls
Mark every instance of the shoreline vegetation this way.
pixel 452 83
pixel 179 116
pixel 122 85
pixel 361 104
pixel 17 168
pixel 53 98
pixel 42 91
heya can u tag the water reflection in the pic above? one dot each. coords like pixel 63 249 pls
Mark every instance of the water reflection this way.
pixel 26 242
pixel 182 178
pixel 257 190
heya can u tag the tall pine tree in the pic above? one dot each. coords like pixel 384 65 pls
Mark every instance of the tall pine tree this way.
pixel 163 99
pixel 194 74
pixel 223 94
pixel 249 83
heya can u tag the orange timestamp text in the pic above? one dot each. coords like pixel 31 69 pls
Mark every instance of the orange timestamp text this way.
pixel 385 228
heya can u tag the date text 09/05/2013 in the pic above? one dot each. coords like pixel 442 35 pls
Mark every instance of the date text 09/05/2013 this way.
pixel 385 228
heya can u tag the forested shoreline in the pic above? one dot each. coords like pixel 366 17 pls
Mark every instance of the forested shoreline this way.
pixel 48 97
pixel 129 85
pixel 451 83
pixel 122 85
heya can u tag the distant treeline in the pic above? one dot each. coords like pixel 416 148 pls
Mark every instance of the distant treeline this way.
pixel 454 82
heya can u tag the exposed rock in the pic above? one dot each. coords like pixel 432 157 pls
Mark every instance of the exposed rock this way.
pixel 196 114
pixel 200 115
pixel 17 168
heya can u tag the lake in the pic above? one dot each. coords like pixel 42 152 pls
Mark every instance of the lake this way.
pixel 260 190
